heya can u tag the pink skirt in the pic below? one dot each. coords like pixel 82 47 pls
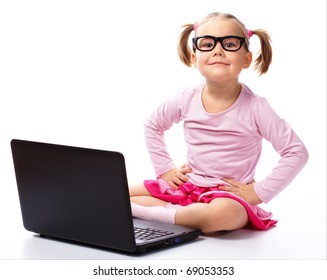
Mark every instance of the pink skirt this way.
pixel 188 193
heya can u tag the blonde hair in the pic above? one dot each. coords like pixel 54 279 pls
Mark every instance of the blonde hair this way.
pixel 261 63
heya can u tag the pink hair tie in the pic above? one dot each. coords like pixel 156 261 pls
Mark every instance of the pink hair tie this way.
pixel 250 33
pixel 195 26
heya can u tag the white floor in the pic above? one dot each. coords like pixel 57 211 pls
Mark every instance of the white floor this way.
pixel 281 242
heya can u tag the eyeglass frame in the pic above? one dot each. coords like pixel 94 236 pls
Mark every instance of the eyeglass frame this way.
pixel 216 40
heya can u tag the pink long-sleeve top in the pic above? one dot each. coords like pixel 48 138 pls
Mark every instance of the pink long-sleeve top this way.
pixel 227 144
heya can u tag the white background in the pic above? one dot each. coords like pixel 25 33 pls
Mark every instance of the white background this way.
pixel 87 73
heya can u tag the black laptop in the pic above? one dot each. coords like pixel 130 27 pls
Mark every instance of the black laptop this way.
pixel 81 195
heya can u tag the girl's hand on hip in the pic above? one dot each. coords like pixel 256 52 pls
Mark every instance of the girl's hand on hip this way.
pixel 245 192
pixel 176 176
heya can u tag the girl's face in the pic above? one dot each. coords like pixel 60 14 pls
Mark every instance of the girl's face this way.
pixel 218 64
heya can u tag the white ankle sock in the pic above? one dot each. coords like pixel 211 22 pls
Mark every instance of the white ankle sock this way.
pixel 154 213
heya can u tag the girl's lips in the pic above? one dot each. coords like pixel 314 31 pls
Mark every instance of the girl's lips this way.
pixel 218 63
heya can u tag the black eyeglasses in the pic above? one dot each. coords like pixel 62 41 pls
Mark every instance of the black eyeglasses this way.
pixel 229 43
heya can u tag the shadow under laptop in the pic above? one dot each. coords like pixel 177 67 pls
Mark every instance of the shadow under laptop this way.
pixel 46 247
pixel 52 248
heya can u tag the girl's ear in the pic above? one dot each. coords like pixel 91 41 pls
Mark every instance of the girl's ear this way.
pixel 247 60
pixel 193 59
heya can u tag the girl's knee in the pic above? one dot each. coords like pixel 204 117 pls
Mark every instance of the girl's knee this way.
pixel 224 214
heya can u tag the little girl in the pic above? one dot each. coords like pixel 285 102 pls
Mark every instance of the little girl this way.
pixel 224 124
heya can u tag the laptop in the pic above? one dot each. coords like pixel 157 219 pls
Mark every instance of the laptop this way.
pixel 81 195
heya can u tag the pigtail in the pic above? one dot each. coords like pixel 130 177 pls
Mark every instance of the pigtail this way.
pixel 263 61
pixel 184 51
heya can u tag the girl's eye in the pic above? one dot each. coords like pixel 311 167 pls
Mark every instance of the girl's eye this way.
pixel 229 45
pixel 206 44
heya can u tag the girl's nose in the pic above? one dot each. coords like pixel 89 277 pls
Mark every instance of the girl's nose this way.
pixel 218 50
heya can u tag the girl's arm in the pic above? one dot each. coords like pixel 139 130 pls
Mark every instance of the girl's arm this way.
pixel 160 121
pixel 286 142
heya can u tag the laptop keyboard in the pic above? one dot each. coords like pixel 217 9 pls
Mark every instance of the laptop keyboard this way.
pixel 149 233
